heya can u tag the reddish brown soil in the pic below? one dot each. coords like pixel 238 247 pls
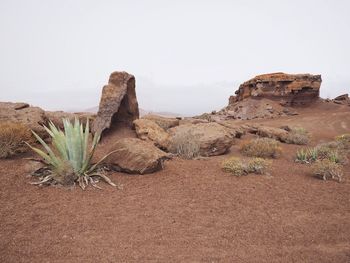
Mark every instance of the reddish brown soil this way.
pixel 189 212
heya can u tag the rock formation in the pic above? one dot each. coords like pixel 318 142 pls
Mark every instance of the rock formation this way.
pixel 269 96
pixel 289 89
pixel 118 102
pixel 136 156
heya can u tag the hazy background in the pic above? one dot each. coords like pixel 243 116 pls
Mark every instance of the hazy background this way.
pixel 187 56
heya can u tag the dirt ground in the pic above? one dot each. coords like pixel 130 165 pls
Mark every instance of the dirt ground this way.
pixel 189 212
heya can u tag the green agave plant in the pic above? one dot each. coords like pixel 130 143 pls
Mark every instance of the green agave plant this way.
pixel 69 159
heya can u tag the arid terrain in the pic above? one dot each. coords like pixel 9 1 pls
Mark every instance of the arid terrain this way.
pixel 191 211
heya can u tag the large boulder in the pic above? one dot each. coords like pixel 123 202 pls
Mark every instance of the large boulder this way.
pixel 289 89
pixel 118 102
pixel 213 138
pixel 150 131
pixel 136 156
pixel 32 117
pixel 163 122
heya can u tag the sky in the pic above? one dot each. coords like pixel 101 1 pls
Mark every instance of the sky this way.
pixel 188 56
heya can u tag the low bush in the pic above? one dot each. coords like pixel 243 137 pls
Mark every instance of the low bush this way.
pixel 262 147
pixel 12 139
pixel 327 169
pixel 238 167
pixel 186 145
pixel 298 136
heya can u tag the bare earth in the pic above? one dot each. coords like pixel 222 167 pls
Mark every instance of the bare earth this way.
pixel 189 212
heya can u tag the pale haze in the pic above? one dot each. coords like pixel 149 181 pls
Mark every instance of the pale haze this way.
pixel 188 57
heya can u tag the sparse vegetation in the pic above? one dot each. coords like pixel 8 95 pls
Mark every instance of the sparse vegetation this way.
pixel 327 158
pixel 330 151
pixel 12 139
pixel 298 136
pixel 238 167
pixel 69 159
pixel 327 169
pixel 262 147
pixel 186 145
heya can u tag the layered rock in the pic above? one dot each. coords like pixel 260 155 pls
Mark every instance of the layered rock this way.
pixel 118 102
pixel 148 130
pixel 213 138
pixel 136 156
pixel 289 89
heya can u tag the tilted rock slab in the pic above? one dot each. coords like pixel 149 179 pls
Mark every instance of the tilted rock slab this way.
pixel 118 102
pixel 150 131
pixel 136 156
pixel 214 139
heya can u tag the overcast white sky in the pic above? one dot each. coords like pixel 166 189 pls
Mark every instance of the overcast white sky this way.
pixel 187 56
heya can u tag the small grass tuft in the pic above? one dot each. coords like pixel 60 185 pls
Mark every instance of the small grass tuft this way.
pixel 262 147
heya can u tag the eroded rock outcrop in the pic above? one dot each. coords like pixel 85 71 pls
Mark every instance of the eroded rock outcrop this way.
pixel 289 89
pixel 118 102
pixel 213 138
pixel 136 156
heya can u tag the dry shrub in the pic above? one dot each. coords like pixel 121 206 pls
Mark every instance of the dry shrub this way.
pixel 298 136
pixel 186 145
pixel 238 167
pixel 12 138
pixel 327 169
pixel 234 166
pixel 343 141
pixel 262 147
